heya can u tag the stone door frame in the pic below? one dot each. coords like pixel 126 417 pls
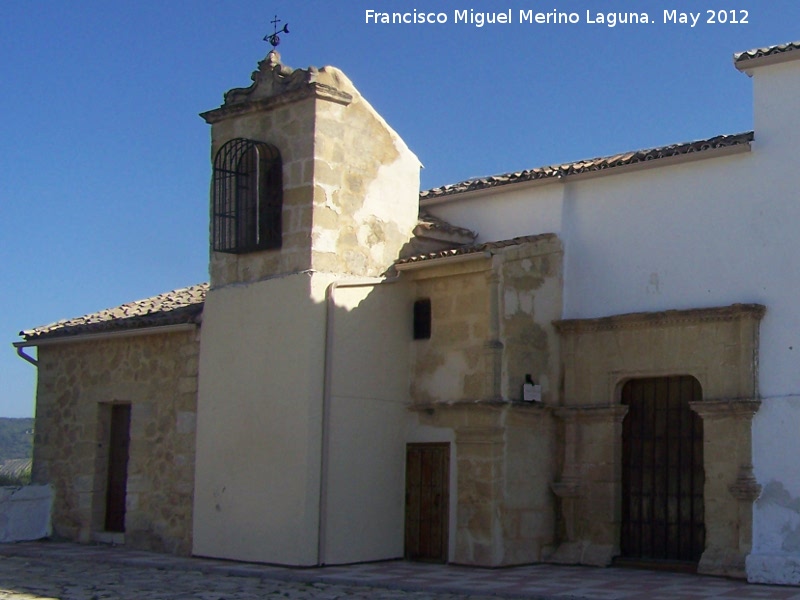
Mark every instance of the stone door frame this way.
pixel 716 346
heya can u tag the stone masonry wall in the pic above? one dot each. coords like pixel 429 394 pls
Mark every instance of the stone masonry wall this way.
pixel 492 325
pixel 531 300
pixel 157 376
pixel 366 188
pixel 290 128
pixel 350 183
pixel 452 365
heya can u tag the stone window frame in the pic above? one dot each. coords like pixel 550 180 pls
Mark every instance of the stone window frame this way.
pixel 247 197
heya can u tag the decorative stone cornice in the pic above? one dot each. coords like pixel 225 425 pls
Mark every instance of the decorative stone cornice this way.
pixel 734 312
pixel 271 79
pixel 489 404
pixel 721 409
pixel 275 84
pixel 593 411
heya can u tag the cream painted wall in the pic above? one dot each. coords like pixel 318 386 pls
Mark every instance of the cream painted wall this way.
pixel 364 500
pixel 259 451
pixel 259 407
pixel 699 234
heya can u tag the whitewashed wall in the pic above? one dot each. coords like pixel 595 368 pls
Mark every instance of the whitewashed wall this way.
pixel 704 233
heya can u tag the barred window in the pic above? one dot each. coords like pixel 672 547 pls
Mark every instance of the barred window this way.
pixel 247 197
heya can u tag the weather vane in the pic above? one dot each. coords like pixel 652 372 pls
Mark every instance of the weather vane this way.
pixel 275 39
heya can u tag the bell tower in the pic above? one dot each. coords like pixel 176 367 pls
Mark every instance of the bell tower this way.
pixel 307 176
pixel 310 188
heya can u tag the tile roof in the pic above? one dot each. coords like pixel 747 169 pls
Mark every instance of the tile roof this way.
pixel 477 248
pixel 741 58
pixel 172 308
pixel 427 221
pixel 590 165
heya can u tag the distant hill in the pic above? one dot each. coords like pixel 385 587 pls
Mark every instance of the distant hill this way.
pixel 16 438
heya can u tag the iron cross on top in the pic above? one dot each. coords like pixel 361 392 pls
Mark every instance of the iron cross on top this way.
pixel 275 39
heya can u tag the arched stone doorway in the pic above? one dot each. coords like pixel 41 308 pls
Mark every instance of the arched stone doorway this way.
pixel 718 348
pixel 663 475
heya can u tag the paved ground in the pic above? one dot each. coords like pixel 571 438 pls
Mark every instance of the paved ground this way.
pixel 49 570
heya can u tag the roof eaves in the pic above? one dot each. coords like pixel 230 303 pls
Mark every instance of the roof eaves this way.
pixel 178 307
pixel 767 55
pixel 591 166
pixel 486 247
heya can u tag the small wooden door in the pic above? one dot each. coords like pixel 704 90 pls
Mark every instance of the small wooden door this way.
pixel 117 482
pixel 427 501
pixel 662 471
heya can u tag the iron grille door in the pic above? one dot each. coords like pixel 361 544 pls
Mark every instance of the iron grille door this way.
pixel 662 471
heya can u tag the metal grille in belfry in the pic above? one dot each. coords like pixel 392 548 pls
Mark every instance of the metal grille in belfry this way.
pixel 662 471
pixel 247 197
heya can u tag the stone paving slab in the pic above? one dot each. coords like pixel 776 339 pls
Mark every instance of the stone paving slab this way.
pixel 64 571
pixel 67 579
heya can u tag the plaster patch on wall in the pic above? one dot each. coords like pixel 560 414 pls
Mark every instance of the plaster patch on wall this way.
pixel 784 510
pixel 511 302
pixel 325 240
pixel 447 381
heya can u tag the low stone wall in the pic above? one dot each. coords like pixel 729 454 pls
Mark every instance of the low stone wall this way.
pixel 25 513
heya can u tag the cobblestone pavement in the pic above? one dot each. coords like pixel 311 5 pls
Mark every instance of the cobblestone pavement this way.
pixel 37 579
pixel 63 571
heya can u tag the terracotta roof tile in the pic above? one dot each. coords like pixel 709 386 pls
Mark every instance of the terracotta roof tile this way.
pixel 485 247
pixel 590 165
pixel 172 308
pixel 743 57
pixel 434 223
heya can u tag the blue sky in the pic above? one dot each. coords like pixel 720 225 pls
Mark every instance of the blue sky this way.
pixel 105 164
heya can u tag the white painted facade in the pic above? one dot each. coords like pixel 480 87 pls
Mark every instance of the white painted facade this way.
pixel 703 233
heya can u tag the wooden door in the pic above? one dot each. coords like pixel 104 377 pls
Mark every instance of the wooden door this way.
pixel 117 481
pixel 662 471
pixel 427 501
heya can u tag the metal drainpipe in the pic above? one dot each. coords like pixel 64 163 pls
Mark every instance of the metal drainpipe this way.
pixel 21 353
pixel 326 400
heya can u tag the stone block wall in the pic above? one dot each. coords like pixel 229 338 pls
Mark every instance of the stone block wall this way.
pixel 157 376
pixel 454 364
pixel 366 187
pixel 350 183
pixel 290 128
pixel 504 462
pixel 531 284
pixel 491 325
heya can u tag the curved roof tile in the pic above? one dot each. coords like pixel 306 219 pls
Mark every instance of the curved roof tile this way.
pixel 171 308
pixel 742 57
pixel 590 165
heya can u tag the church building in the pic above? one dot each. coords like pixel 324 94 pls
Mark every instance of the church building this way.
pixel 588 363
